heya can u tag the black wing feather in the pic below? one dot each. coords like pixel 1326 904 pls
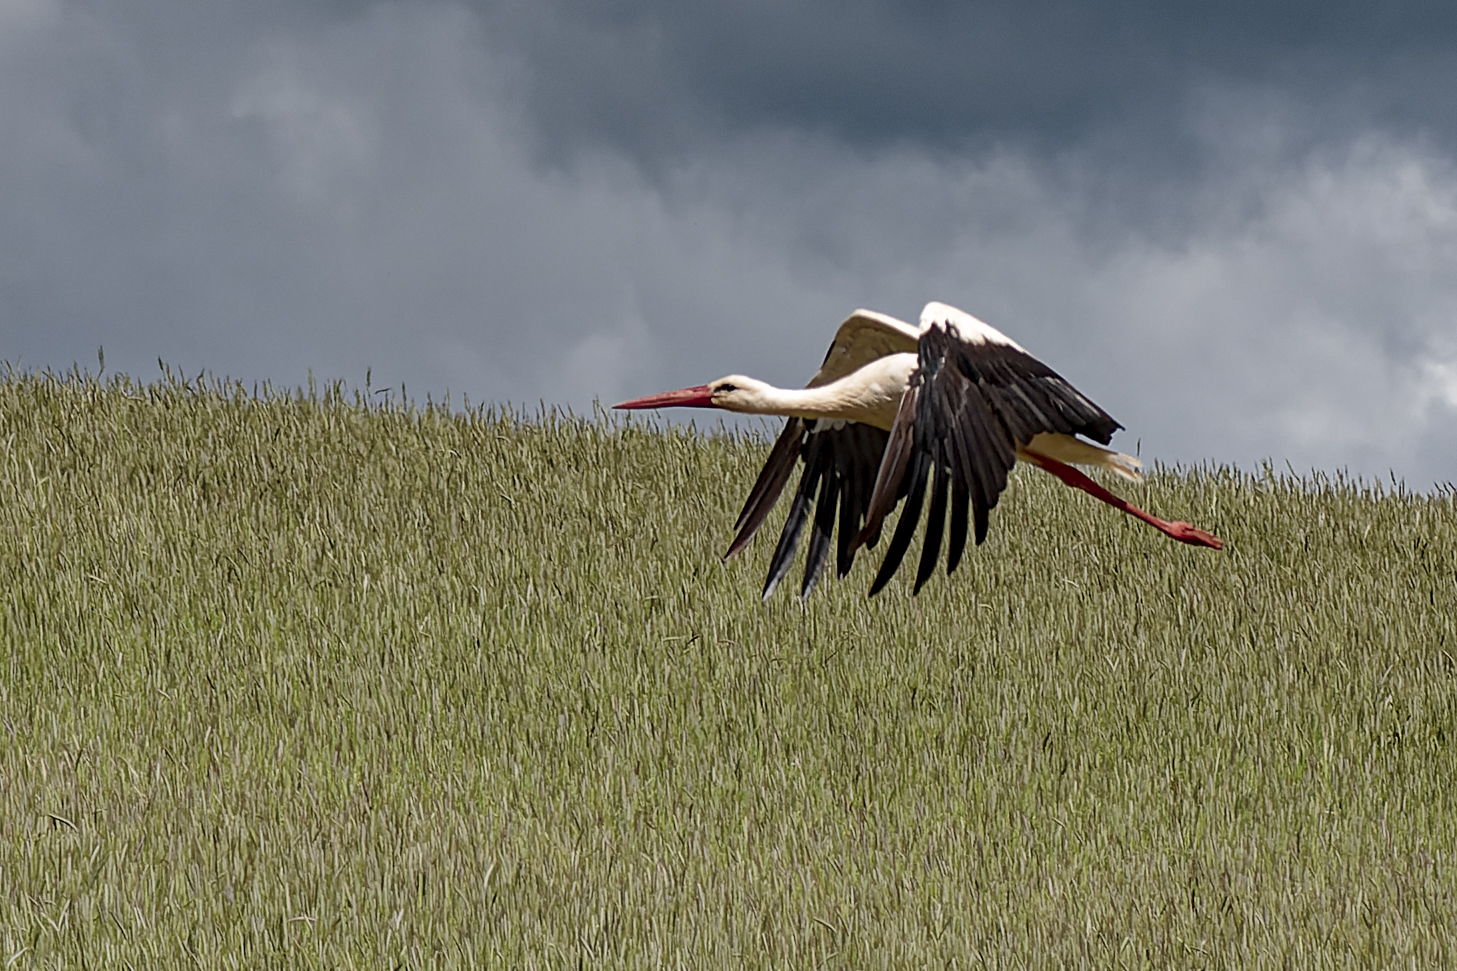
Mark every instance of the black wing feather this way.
pixel 964 423
pixel 959 502
pixel 824 527
pixel 935 524
pixel 905 530
pixel 861 461
pixel 769 485
pixel 793 525
pixel 840 462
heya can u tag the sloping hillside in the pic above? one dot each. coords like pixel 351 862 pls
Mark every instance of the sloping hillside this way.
pixel 300 681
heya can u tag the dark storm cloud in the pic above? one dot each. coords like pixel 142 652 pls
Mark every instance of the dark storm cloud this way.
pixel 661 77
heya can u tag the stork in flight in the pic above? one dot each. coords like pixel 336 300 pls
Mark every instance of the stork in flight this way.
pixel 893 404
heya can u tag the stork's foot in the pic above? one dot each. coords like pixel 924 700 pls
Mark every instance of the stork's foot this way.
pixel 1193 535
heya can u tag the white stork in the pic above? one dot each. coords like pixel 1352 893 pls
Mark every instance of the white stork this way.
pixel 893 403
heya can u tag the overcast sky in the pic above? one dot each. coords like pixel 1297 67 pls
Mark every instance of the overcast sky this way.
pixel 1232 224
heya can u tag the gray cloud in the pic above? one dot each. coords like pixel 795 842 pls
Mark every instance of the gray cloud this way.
pixel 552 201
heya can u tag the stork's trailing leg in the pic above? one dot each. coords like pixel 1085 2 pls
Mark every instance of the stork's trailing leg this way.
pixel 1181 531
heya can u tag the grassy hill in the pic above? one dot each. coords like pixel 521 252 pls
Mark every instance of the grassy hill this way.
pixel 292 681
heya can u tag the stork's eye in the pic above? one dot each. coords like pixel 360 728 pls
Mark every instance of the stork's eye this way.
pixel 728 387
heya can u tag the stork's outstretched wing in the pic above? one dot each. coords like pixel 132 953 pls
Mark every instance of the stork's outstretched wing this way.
pixel 973 401
pixel 862 337
pixel 840 464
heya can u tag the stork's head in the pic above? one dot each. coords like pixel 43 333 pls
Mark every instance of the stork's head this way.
pixel 733 393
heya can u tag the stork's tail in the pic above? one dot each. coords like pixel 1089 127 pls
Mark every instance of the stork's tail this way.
pixel 1127 466
pixel 1074 451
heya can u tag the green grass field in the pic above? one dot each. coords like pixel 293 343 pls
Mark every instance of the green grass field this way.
pixel 295 681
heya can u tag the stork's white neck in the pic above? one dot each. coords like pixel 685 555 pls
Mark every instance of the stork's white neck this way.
pixel 792 402
pixel 870 395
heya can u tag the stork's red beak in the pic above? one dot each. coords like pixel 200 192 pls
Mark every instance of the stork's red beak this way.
pixel 699 396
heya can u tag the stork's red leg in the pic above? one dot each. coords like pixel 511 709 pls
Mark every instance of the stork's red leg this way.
pixel 1181 531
